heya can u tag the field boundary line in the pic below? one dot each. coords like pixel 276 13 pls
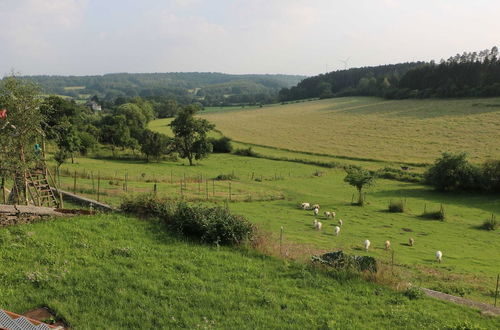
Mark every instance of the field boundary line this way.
pixel 484 308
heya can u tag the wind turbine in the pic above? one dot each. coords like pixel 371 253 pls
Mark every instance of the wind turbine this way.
pixel 346 62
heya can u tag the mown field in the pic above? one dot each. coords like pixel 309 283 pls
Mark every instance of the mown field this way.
pixel 365 127
pixel 119 272
pixel 268 191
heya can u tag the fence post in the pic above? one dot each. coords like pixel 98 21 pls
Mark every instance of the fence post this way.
pixel 98 185
pixel 199 184
pixel 496 290
pixel 182 190
pixel 213 187
pixel 229 190
pixel 4 192
pixel 74 182
pixel 281 241
pixel 171 177
pixel 93 182
pixel 206 188
pixel 155 188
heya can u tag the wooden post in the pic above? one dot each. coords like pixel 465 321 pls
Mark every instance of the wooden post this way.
pixel 182 190
pixel 199 184
pixel 496 290
pixel 4 192
pixel 171 177
pixel 281 241
pixel 93 182
pixel 213 187
pixel 229 190
pixel 155 188
pixel 98 185
pixel 74 182
pixel 206 187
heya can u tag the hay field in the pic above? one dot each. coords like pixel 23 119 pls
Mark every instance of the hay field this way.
pixel 367 127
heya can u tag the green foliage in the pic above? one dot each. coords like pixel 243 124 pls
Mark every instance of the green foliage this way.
pixel 434 215
pixel 246 152
pixel 398 174
pixel 226 177
pixel 341 261
pixel 452 172
pixel 491 223
pixel 491 176
pixel 60 156
pixel 148 205
pixel 221 145
pixel 413 293
pixel 359 178
pixel 190 135
pixel 211 225
pixel 397 206
pixel 88 142
pixel 155 144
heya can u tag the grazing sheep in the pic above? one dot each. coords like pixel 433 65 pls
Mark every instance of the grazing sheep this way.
pixel 328 214
pixel 337 230
pixel 316 206
pixel 387 245
pixel 333 215
pixel 411 241
pixel 316 211
pixel 367 244
pixel 439 256
pixel 305 206
pixel 318 225
pixel 341 222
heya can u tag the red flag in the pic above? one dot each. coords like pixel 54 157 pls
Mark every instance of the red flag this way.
pixel 3 113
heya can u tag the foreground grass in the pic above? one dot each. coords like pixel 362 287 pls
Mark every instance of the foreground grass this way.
pixel 405 131
pixel 112 271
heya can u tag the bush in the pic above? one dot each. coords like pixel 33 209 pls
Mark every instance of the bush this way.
pixel 213 225
pixel 222 145
pixel 342 261
pixel 397 207
pixel 434 215
pixel 453 172
pixel 223 177
pixel 413 293
pixel 246 152
pixel 399 175
pixel 147 205
pixel 490 224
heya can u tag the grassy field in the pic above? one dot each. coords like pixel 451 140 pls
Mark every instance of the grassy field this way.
pixel 118 272
pixel 267 192
pixel 365 127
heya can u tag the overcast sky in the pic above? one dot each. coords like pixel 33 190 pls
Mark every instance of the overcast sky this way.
pixel 82 37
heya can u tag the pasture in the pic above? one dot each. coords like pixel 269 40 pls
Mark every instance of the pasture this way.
pixel 416 131
pixel 121 272
pixel 268 191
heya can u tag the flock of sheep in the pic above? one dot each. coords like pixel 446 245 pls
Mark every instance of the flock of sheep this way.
pixel 331 215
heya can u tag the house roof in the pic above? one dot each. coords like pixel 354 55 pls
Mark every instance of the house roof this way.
pixel 13 321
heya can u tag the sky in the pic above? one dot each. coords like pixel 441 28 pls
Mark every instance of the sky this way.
pixel 307 37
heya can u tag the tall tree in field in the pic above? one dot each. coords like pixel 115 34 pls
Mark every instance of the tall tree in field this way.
pixel 190 133
pixel 359 178
pixel 20 129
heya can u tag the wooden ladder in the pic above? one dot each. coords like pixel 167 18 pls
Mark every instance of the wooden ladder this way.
pixel 42 193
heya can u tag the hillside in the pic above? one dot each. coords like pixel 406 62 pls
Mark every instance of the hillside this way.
pixel 94 274
pixel 207 87
pixel 372 128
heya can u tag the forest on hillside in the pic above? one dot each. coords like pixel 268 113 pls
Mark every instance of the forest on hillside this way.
pixel 207 88
pixel 470 74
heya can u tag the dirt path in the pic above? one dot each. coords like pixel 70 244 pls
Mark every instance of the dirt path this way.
pixel 484 308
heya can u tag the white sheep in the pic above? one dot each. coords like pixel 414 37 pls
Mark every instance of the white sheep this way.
pixel 328 214
pixel 318 225
pixel 411 241
pixel 337 230
pixel 439 256
pixel 316 206
pixel 316 211
pixel 367 244
pixel 305 206
pixel 333 215
pixel 387 245
pixel 341 222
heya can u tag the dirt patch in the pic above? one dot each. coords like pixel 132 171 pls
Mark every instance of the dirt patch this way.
pixel 484 308
pixel 44 315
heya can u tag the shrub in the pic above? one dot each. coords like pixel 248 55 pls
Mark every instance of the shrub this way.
pixel 213 225
pixel 339 260
pixel 221 145
pixel 413 293
pixel 147 205
pixel 434 215
pixel 453 172
pixel 246 152
pixel 397 206
pixel 490 224
pixel 222 177
pixel 399 175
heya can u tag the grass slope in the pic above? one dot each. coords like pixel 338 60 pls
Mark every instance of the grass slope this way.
pixel 115 272
pixel 366 127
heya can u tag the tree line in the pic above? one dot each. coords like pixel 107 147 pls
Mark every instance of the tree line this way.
pixel 470 74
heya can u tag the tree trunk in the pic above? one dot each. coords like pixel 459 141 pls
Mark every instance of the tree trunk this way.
pixel 190 158
pixel 72 159
pixel 360 197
